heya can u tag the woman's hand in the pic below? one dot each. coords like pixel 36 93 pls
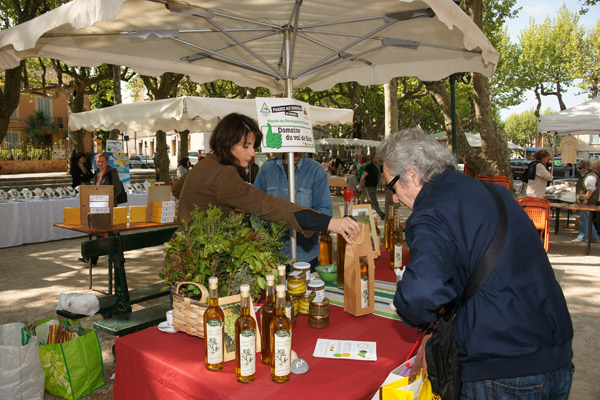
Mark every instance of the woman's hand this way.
pixel 347 227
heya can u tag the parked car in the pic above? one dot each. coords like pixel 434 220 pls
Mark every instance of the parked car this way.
pixel 139 161
pixel 518 166
pixel 193 156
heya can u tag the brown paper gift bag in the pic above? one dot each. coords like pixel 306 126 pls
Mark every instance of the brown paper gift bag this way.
pixel 359 290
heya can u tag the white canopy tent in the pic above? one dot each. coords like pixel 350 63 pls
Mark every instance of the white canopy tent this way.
pixel 581 119
pixel 348 142
pixel 192 113
pixel 474 140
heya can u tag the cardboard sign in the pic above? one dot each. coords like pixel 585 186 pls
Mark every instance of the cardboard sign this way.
pixel 285 125
pixel 88 194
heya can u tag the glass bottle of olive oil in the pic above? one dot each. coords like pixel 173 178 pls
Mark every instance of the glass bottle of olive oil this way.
pixel 245 344
pixel 281 341
pixel 214 329
pixel 326 248
pixel 289 306
pixel 267 312
pixel 389 227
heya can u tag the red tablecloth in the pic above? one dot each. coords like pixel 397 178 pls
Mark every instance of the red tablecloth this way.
pixel 156 365
pixel 383 272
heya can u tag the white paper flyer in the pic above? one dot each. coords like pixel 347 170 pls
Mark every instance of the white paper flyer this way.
pixel 346 350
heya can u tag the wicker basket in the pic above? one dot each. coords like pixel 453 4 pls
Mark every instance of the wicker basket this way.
pixel 188 314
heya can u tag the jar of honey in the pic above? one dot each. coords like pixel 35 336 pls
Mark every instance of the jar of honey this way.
pixel 304 303
pixel 318 314
pixel 296 283
pixel 318 287
pixel 303 267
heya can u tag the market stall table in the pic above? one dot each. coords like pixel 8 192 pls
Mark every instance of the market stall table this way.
pixel 32 221
pixel 156 365
pixel 113 231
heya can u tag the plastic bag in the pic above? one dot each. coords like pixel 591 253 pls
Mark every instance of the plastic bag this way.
pixel 21 374
pixel 78 303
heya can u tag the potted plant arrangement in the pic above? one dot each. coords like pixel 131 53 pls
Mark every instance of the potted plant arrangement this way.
pixel 227 247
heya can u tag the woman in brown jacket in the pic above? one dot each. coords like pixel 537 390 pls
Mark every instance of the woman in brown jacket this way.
pixel 216 180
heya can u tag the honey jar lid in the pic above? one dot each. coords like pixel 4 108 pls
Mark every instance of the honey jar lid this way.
pixel 301 265
pixel 314 283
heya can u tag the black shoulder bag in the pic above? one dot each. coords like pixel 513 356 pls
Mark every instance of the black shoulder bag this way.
pixel 441 351
pixel 122 197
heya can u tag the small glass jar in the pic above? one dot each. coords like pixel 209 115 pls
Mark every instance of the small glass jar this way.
pixel 317 286
pixel 304 303
pixel 318 314
pixel 296 283
pixel 303 267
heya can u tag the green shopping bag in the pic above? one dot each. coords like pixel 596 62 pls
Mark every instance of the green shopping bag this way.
pixel 74 368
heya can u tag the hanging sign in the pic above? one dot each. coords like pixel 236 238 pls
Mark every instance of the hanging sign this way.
pixel 114 146
pixel 285 125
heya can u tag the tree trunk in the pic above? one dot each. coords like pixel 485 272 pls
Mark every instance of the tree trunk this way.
pixel 183 144
pixel 494 148
pixel 161 161
pixel 75 97
pixel 391 107
pixel 9 97
pixel 118 99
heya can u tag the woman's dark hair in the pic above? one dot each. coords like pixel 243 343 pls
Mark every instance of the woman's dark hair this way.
pixel 232 129
pixel 184 161
pixel 75 156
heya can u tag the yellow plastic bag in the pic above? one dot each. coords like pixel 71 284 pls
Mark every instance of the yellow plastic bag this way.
pixel 409 388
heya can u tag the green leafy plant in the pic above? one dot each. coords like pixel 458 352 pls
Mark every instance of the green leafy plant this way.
pixel 226 247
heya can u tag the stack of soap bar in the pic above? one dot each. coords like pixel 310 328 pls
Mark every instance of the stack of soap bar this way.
pixel 163 212
pixel 72 216
pixel 119 215
pixel 137 214
pixel 99 204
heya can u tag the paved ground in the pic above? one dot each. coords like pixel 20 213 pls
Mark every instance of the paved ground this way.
pixel 33 276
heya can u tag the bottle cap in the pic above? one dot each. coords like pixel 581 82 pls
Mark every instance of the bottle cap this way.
pixel 213 281
pixel 280 288
pixel 348 193
pixel 270 278
pixel 245 288
pixel 281 268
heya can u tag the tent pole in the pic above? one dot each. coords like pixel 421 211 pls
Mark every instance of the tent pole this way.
pixel 290 156
pixel 453 111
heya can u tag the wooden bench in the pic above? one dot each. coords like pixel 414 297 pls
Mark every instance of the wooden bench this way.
pixel 116 309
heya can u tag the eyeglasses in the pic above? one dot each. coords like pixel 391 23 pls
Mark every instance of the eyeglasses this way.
pixel 390 185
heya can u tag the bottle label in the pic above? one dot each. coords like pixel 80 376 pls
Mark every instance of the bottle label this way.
pixel 247 352
pixel 214 341
pixel 364 292
pixel 398 255
pixel 282 348
pixel 288 310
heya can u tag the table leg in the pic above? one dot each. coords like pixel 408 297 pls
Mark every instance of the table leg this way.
pixel 90 266
pixel 589 235
pixel 121 289
pixel 110 275
pixel 557 212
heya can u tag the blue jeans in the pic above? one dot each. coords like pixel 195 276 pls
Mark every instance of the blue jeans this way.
pixel 551 385
pixel 584 217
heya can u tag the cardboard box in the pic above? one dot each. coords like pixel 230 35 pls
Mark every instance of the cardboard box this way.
pixel 162 220
pixel 119 215
pixel 100 221
pixel 137 214
pixel 163 204
pixel 162 214
pixel 72 216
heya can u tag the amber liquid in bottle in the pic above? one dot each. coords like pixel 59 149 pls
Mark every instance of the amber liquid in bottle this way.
pixel 364 282
pixel 389 227
pixel 326 247
pixel 267 312
pixel 289 306
pixel 281 341
pixel 341 250
pixel 245 343
pixel 214 329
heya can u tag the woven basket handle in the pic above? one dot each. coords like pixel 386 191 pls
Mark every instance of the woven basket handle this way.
pixel 203 299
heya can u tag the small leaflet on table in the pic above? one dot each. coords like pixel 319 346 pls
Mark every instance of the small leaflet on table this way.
pixel 346 350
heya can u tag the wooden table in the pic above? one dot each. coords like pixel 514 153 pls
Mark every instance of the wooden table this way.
pixel 115 230
pixel 592 209
pixel 556 207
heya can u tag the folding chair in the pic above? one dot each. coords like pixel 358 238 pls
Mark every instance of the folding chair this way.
pixel 539 211
pixel 502 181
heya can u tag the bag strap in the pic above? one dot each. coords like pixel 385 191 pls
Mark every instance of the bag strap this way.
pixel 489 259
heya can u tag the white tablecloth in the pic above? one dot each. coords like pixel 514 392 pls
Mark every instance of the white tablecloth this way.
pixel 32 221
